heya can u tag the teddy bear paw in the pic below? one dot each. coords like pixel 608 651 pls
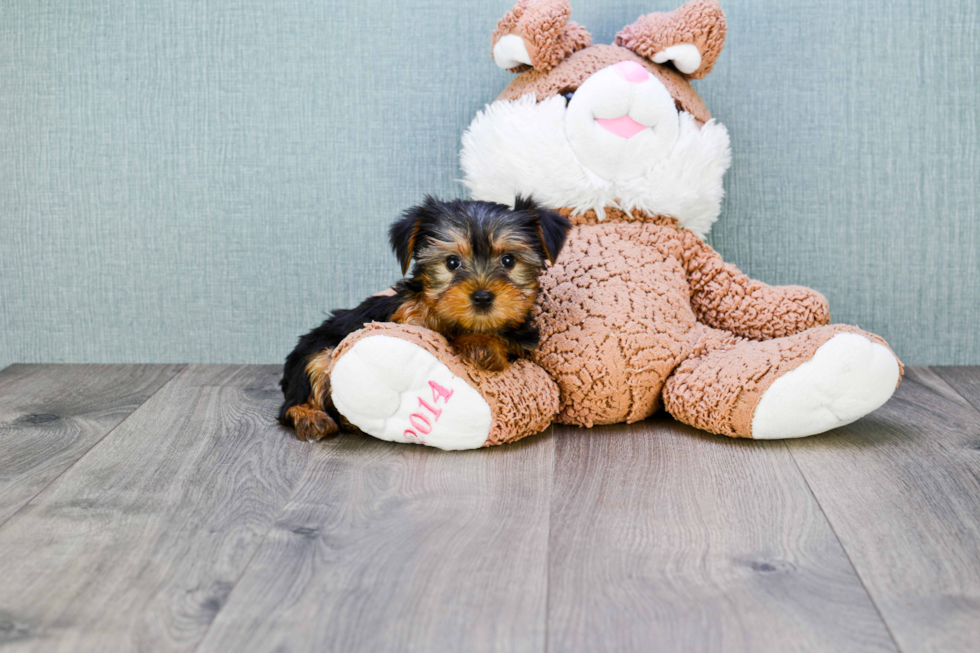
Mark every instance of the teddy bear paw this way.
pixel 395 390
pixel 848 377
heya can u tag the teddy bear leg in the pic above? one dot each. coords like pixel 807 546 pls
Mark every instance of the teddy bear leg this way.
pixel 789 387
pixel 405 384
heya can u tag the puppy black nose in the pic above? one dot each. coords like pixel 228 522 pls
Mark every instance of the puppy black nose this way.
pixel 482 298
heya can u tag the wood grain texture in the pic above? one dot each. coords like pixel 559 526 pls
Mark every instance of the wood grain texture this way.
pixel 198 524
pixel 391 547
pixel 964 380
pixel 137 546
pixel 665 538
pixel 50 415
pixel 901 488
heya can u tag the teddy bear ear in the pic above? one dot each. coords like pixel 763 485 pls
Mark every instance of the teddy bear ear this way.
pixel 690 37
pixel 537 34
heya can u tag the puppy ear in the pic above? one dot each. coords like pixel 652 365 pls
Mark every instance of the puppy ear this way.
pixel 406 234
pixel 552 228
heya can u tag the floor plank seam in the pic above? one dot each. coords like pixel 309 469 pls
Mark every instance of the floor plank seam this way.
pixel 258 548
pixel 146 542
pixel 176 373
pixel 938 372
pixel 847 554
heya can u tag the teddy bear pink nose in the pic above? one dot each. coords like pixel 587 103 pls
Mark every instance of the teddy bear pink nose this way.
pixel 632 71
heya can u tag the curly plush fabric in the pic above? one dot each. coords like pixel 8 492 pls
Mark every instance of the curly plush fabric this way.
pixel 699 22
pixel 523 399
pixel 548 35
pixel 719 385
pixel 574 70
pixel 638 312
pixel 618 309
pixel 627 316
pixel 725 298
pixel 614 318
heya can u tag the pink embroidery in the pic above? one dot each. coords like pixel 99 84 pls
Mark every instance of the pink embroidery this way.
pixel 419 420
pixel 439 391
pixel 420 423
pixel 436 412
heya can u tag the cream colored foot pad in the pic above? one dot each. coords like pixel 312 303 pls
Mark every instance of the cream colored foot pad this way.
pixel 398 391
pixel 848 377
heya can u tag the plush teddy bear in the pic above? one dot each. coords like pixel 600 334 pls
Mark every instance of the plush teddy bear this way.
pixel 637 313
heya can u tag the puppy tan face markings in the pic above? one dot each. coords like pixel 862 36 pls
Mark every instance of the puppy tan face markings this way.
pixel 439 263
pixel 519 260
pixel 474 281
pixel 494 277
pixel 476 269
pixel 482 278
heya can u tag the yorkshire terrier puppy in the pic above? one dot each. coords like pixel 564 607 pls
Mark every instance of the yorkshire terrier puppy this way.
pixel 475 281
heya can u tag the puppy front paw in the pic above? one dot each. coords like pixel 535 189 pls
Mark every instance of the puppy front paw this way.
pixel 487 352
pixel 311 424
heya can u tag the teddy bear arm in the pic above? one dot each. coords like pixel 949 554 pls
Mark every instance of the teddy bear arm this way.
pixel 724 298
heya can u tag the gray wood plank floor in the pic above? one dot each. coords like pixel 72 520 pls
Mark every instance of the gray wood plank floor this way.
pixel 160 508
pixel 661 533
pixel 385 547
pixel 901 488
pixel 51 415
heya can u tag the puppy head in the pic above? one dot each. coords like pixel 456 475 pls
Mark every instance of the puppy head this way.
pixel 478 261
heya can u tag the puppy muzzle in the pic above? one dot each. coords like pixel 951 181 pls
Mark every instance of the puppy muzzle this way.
pixel 482 300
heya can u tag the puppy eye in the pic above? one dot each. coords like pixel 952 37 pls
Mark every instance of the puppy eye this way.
pixel 568 96
pixel 453 262
pixel 508 261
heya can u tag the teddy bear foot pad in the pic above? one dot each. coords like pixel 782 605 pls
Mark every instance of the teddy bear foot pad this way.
pixel 848 377
pixel 397 391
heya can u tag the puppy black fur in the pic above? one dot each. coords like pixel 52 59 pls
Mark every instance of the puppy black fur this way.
pixel 464 251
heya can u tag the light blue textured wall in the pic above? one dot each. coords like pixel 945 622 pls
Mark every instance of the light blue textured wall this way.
pixel 198 181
